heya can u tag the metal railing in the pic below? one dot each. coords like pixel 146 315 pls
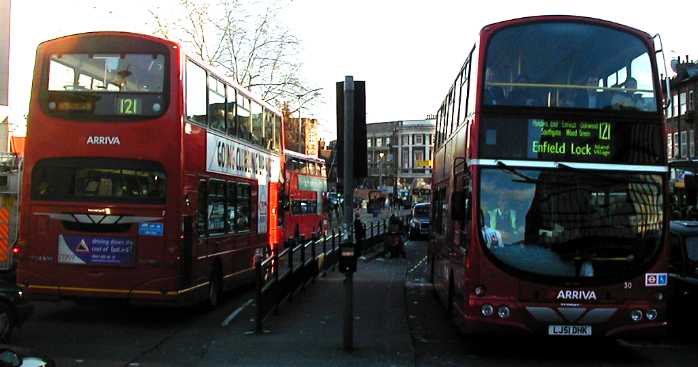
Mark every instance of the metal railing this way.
pixel 282 274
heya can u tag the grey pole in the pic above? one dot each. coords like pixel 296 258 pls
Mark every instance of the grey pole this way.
pixel 348 207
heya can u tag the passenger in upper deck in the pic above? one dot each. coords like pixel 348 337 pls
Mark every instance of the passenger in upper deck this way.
pixel 626 98
pixel 522 94
pixel 494 95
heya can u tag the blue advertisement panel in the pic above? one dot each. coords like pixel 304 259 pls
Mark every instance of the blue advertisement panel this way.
pixel 90 250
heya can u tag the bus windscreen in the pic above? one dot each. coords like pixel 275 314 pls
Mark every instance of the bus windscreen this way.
pixel 571 224
pixel 568 65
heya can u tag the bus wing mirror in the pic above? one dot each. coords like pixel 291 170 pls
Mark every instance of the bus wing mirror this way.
pixel 458 205
pixel 666 92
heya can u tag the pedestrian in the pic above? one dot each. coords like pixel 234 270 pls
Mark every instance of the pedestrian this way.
pixel 359 234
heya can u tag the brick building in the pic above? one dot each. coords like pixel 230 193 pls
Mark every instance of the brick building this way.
pixel 681 116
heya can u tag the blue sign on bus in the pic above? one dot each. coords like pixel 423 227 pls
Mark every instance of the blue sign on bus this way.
pixel 151 229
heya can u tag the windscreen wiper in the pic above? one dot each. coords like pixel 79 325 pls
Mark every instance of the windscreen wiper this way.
pixel 516 172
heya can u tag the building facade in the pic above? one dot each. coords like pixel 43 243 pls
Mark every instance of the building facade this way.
pixel 400 156
pixel 681 115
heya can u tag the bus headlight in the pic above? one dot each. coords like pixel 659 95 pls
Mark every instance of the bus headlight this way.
pixel 651 314
pixel 487 310
pixel 636 315
pixel 503 312
pixel 480 290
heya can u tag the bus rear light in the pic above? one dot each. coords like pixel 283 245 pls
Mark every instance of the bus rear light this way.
pixel 651 314
pixel 15 250
pixel 636 315
pixel 503 312
pixel 480 290
pixel 487 310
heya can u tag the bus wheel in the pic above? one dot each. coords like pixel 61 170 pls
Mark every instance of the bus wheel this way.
pixel 214 289
pixel 6 322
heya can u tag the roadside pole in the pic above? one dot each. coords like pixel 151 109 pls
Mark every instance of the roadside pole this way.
pixel 348 208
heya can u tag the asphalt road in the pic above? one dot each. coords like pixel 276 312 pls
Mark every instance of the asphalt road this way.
pixel 115 334
pixel 438 343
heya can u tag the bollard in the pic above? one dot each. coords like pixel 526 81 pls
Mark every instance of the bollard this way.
pixel 324 255
pixel 302 252
pixel 258 298
pixel 324 245
pixel 333 239
pixel 313 258
pixel 276 278
pixel 290 271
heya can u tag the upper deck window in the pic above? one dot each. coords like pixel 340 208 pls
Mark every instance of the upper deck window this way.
pixel 568 65
pixel 126 84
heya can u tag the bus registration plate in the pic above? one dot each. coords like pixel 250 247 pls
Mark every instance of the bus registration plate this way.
pixel 572 330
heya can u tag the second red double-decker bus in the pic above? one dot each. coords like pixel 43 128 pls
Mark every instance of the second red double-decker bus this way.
pixel 550 180
pixel 148 176
pixel 306 211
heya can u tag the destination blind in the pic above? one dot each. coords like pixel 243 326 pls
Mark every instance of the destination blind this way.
pixel 562 140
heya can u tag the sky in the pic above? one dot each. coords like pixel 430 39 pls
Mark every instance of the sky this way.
pixel 408 52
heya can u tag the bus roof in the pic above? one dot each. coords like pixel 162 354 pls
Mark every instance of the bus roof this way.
pixel 294 154
pixel 175 44
pixel 574 18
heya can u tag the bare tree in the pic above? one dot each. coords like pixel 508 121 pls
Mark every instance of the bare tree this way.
pixel 243 39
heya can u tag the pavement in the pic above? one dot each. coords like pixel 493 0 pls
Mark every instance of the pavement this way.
pixel 308 332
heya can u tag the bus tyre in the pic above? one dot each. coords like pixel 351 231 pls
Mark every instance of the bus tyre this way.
pixel 6 322
pixel 214 289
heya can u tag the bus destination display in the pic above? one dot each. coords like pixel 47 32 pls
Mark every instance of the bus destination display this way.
pixel 558 139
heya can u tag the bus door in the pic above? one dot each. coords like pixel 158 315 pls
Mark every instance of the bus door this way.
pixel 459 228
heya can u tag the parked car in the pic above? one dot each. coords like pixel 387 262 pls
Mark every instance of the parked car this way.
pixel 14 309
pixel 420 223
pixel 683 268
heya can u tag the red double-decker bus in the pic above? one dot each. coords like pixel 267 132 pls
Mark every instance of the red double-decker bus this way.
pixel 550 181
pixel 148 176
pixel 306 210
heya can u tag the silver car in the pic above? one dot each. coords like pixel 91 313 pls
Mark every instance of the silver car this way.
pixel 420 224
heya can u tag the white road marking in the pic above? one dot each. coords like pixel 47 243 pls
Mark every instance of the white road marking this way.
pixel 235 313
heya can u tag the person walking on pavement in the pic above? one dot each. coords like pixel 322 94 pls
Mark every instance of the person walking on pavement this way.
pixel 394 240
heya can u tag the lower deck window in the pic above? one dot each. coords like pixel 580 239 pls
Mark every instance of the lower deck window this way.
pixel 224 207
pixel 299 207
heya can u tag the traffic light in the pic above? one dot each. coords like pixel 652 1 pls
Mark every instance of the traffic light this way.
pixel 360 168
